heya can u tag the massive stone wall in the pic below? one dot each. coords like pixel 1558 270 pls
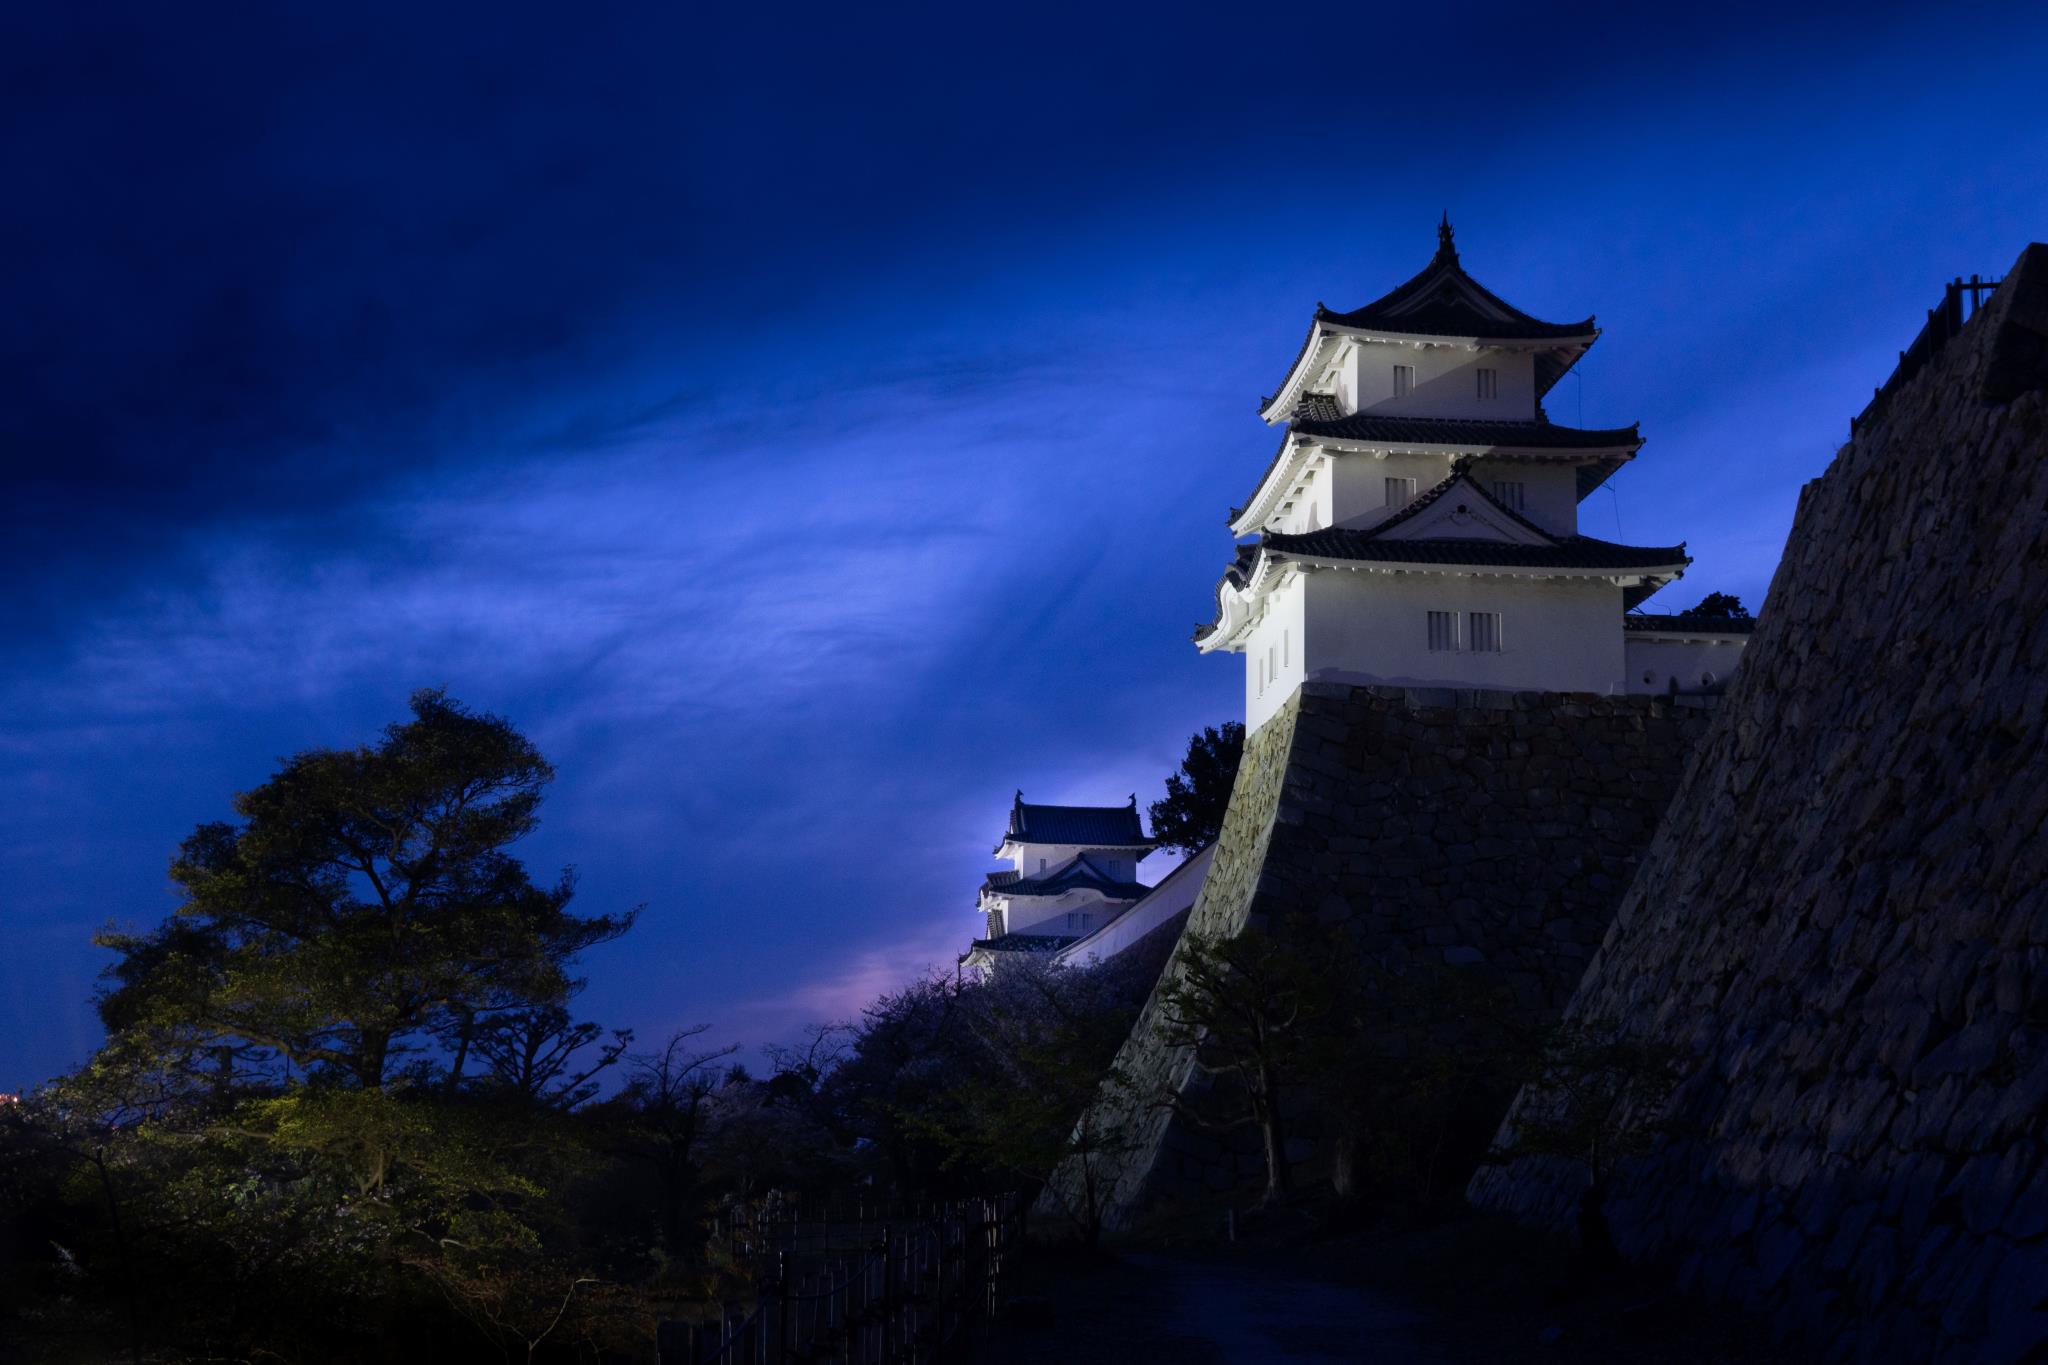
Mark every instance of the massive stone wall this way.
pixel 1843 923
pixel 1494 830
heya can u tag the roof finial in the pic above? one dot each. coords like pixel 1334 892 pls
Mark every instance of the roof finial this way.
pixel 1444 233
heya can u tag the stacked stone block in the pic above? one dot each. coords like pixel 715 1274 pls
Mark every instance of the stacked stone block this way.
pixel 1842 925
pixel 1491 831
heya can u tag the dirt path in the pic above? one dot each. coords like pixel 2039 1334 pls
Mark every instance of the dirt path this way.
pixel 1202 1310
pixel 1460 1293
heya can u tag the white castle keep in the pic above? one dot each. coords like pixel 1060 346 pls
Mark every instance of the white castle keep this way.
pixel 1419 524
pixel 1418 527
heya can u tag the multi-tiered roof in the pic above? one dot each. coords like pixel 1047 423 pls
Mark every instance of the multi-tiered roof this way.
pixel 1081 852
pixel 1457 525
pixel 1439 303
pixel 1104 827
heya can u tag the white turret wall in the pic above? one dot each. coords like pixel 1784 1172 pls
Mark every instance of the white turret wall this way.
pixel 1654 660
pixel 1273 655
pixel 1445 384
pixel 1556 635
pixel 1033 860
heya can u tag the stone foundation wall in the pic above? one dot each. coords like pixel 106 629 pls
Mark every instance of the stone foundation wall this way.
pixel 1843 923
pixel 1489 830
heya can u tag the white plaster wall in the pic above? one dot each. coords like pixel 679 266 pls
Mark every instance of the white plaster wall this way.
pixel 1176 892
pixel 1550 492
pixel 1279 637
pixel 1351 489
pixel 1445 385
pixel 1048 914
pixel 1029 856
pixel 1557 635
pixel 1310 510
pixel 1346 374
pixel 1654 660
pixel 1359 483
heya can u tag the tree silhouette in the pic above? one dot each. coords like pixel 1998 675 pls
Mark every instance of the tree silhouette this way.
pixel 1191 816
pixel 1718 606
pixel 363 910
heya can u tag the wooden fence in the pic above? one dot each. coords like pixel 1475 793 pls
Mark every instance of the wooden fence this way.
pixel 1944 320
pixel 854 1291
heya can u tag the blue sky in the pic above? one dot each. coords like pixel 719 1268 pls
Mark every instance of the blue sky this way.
pixel 812 428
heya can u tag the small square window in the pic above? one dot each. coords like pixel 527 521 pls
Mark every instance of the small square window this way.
pixel 1482 631
pixel 1489 383
pixel 1400 492
pixel 1509 493
pixel 1443 631
pixel 1404 380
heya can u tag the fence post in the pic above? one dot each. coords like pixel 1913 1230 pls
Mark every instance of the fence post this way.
pixel 888 1289
pixel 782 1297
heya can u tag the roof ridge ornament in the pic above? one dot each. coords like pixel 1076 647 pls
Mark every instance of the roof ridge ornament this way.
pixel 1444 236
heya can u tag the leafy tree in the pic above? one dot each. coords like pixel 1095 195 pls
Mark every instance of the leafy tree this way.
pixel 1191 816
pixel 541 1054
pixel 1598 1097
pixel 1042 1039
pixel 762 1137
pixel 1256 1010
pixel 662 1115
pixel 902 1059
pixel 1411 1073
pixel 364 906
pixel 1718 606
pixel 277 1149
pixel 1401 1066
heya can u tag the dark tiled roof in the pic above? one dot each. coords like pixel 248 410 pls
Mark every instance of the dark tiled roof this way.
pixel 1442 300
pixel 1688 625
pixel 1078 873
pixel 1002 877
pixel 1091 826
pixel 1371 544
pixel 1316 415
pixel 1449 431
pixel 1562 552
pixel 1286 439
pixel 1460 480
pixel 1023 943
pixel 1295 364
pixel 1568 552
pixel 1240 571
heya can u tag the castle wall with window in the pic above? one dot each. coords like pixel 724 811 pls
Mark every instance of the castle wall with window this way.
pixel 1547 634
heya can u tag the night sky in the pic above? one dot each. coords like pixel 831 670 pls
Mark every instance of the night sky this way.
pixel 811 427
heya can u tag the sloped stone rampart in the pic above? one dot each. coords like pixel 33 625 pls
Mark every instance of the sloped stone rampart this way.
pixel 1843 922
pixel 1494 830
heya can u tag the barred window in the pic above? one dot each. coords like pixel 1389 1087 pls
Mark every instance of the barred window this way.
pixel 1509 493
pixel 1443 631
pixel 1482 631
pixel 1400 492
pixel 1489 383
pixel 1404 380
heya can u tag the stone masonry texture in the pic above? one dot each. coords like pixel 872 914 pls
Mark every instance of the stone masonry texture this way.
pixel 1842 924
pixel 1490 830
